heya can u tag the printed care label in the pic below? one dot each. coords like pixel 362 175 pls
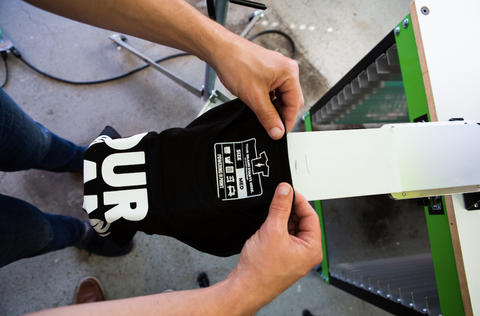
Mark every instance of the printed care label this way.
pixel 239 169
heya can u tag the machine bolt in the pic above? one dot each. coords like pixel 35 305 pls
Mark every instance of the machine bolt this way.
pixel 305 115
pixel 405 23
pixel 397 30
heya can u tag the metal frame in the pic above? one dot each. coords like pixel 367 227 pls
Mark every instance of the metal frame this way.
pixel 207 92
pixel 117 38
pixel 362 65
pixel 221 9
pixel 5 43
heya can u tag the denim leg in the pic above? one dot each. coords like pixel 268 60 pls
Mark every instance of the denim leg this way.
pixel 25 144
pixel 26 232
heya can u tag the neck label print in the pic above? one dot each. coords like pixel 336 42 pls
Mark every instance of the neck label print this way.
pixel 239 169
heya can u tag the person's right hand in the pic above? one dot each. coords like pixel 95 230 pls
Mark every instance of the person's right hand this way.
pixel 285 248
pixel 254 74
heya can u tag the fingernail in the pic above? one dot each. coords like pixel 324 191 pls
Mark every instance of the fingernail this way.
pixel 276 133
pixel 283 189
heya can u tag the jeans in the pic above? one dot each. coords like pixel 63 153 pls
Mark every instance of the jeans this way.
pixel 25 231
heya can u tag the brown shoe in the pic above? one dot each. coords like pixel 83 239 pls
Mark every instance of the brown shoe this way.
pixel 89 290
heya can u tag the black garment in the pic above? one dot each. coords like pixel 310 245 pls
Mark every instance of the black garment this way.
pixel 208 185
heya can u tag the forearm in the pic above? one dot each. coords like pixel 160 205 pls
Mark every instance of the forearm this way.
pixel 247 70
pixel 172 23
pixel 230 297
pixel 270 261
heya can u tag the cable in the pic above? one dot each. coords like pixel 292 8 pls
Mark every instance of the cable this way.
pixel 4 57
pixel 19 56
pixel 292 43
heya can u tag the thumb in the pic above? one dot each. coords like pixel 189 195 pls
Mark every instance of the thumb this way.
pixel 268 117
pixel 280 208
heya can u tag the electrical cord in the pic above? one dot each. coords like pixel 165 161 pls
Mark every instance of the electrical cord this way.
pixel 4 57
pixel 292 43
pixel 17 54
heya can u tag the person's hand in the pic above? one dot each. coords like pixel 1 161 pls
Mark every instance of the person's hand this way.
pixel 257 75
pixel 283 250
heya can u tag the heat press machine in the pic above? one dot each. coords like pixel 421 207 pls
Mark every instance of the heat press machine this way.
pixel 414 95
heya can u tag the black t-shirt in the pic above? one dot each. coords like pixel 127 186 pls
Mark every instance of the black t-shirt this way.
pixel 208 185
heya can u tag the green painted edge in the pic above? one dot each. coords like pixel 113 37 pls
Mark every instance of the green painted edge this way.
pixel 444 263
pixel 308 122
pixel 411 72
pixel 324 273
pixel 439 234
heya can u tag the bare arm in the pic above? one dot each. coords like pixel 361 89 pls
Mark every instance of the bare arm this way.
pixel 223 298
pixel 249 71
pixel 280 253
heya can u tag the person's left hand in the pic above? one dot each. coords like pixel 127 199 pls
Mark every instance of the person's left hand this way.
pixel 286 247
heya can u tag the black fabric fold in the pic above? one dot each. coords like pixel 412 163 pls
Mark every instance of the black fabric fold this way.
pixel 208 185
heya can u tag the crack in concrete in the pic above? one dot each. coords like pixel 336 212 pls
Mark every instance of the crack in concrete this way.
pixel 34 21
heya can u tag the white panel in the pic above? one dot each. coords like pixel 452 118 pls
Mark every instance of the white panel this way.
pixel 450 39
pixel 438 155
pixel 416 158
pixel 335 164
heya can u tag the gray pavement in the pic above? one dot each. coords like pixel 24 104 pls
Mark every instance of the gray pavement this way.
pixel 331 37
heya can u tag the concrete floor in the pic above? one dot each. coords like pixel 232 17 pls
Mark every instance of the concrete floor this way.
pixel 331 36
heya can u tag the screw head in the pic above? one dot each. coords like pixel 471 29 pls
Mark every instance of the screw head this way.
pixel 425 10
pixel 405 23
pixel 397 30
